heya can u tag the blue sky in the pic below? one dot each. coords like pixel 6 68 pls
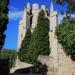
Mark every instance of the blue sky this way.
pixel 16 8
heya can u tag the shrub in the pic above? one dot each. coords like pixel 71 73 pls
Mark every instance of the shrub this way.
pixel 66 36
pixel 9 54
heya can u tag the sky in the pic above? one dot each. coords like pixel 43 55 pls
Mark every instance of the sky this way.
pixel 16 8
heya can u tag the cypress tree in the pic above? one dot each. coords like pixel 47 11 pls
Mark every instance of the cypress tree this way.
pixel 39 44
pixel 22 54
pixel 3 20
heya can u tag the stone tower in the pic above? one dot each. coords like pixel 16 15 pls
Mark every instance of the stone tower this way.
pixel 43 7
pixel 24 24
pixel 35 11
pixel 53 38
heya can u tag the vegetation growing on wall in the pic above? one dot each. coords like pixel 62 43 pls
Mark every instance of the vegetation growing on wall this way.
pixel 23 51
pixel 39 43
pixel 66 36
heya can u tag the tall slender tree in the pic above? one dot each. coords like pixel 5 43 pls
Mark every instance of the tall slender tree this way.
pixel 22 54
pixel 3 20
pixel 39 43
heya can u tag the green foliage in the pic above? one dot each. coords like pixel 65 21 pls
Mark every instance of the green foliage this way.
pixel 22 54
pixel 9 54
pixel 69 3
pixel 3 20
pixel 39 43
pixel 66 35
pixel 31 47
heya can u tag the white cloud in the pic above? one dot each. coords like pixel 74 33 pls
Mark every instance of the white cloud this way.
pixel 60 18
pixel 12 8
pixel 14 15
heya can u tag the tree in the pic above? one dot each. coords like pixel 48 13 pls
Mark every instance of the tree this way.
pixel 22 54
pixel 3 20
pixel 66 36
pixel 70 5
pixel 39 43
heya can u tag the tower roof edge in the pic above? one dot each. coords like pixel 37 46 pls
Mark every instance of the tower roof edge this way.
pixel 51 6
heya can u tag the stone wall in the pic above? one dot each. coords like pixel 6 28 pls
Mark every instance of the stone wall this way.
pixel 66 65
pixel 47 60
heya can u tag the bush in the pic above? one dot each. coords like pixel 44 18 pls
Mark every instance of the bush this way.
pixel 9 54
pixel 66 36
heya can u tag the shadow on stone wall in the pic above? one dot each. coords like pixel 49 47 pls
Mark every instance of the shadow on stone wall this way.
pixel 37 69
pixel 73 57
